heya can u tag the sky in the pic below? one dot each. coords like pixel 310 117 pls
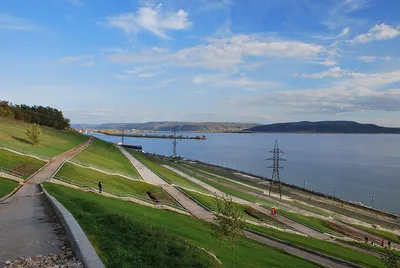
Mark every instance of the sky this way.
pixel 258 61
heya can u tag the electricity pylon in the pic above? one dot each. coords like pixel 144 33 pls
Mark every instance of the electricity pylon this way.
pixel 174 143
pixel 276 178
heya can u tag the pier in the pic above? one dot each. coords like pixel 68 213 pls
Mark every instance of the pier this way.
pixel 137 135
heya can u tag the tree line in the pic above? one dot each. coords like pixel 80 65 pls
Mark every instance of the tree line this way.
pixel 45 116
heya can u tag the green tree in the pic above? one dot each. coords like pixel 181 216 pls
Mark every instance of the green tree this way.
pixel 389 259
pixel 229 223
pixel 34 134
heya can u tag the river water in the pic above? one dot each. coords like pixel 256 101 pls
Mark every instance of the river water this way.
pixel 358 166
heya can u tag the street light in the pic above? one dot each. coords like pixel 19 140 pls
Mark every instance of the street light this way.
pixel 334 193
pixel 372 202
pixel 304 184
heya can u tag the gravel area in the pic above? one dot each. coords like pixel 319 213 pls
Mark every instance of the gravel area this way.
pixel 63 260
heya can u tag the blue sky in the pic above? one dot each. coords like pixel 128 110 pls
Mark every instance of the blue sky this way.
pixel 258 61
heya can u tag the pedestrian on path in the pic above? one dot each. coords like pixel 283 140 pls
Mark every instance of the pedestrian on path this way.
pixel 100 187
pixel 389 244
pixel 382 243
pixel 366 240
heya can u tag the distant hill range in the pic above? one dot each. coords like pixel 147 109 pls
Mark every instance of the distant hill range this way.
pixel 169 126
pixel 323 127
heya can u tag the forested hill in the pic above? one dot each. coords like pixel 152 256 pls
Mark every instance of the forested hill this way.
pixel 323 127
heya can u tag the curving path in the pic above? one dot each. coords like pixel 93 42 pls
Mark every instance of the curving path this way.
pixel 29 226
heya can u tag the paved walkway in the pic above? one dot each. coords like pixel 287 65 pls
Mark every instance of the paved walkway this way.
pixel 297 252
pixel 194 209
pixel 297 226
pixel 29 226
pixel 356 232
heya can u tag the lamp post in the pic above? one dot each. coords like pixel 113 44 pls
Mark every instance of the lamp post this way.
pixel 334 194
pixel 372 202
pixel 304 184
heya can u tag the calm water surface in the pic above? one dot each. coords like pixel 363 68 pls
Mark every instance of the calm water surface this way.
pixel 358 166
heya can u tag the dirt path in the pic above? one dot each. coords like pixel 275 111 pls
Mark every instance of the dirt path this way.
pixel 29 226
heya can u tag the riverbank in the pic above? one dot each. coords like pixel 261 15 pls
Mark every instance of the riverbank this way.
pixel 264 183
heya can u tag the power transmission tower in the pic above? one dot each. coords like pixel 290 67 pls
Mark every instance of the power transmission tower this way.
pixel 174 143
pixel 122 136
pixel 276 178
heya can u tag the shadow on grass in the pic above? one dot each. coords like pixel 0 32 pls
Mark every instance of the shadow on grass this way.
pixel 21 140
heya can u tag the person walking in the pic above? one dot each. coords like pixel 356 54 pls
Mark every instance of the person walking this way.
pixel 100 187
pixel 382 243
pixel 389 244
pixel 366 240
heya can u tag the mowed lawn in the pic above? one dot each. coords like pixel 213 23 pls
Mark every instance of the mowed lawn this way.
pixel 24 165
pixel 89 177
pixel 169 175
pixel 54 142
pixel 107 156
pixel 129 235
pixel 316 223
pixel 7 186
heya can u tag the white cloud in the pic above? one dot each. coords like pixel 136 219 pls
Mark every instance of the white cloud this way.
pixel 147 75
pixel 224 81
pixel 10 22
pixel 90 63
pixel 373 58
pixel 345 31
pixel 112 50
pixel 333 72
pixel 159 49
pixel 152 19
pixel 207 5
pixel 76 2
pixel 367 58
pixel 378 32
pixel 224 53
pixel 76 58
pixel 337 13
pixel 325 100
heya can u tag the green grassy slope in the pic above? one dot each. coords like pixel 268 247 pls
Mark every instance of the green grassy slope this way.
pixel 7 186
pixel 54 142
pixel 19 163
pixel 218 179
pixel 325 247
pixel 389 236
pixel 104 155
pixel 316 223
pixel 89 177
pixel 111 227
pixel 168 174
pixel 209 202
